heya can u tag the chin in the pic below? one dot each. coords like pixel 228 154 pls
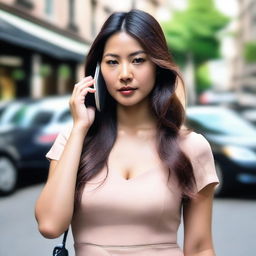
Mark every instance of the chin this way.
pixel 132 101
pixel 131 104
pixel 127 105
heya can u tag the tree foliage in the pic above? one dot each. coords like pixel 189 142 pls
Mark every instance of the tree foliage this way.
pixel 195 31
pixel 250 52
pixel 203 78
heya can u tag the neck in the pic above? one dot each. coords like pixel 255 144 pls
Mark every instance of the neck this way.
pixel 135 118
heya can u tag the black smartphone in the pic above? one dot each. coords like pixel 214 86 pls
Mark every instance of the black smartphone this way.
pixel 100 87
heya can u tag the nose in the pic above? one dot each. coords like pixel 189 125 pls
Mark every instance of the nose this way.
pixel 126 74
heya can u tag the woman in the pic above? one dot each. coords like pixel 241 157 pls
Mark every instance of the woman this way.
pixel 122 175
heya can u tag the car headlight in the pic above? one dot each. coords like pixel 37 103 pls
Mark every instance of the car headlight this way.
pixel 240 153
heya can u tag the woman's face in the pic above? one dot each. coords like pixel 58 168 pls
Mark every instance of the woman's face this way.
pixel 127 69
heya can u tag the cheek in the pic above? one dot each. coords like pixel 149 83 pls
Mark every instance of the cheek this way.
pixel 108 78
pixel 148 78
pixel 109 83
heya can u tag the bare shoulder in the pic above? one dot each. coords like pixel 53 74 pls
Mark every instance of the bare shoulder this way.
pixel 193 144
pixel 191 137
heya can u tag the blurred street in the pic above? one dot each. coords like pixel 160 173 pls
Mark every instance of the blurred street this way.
pixel 44 45
pixel 234 226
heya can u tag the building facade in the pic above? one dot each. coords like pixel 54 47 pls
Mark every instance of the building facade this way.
pixel 43 43
pixel 245 71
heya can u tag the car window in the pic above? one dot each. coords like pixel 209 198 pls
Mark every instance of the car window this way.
pixel 29 115
pixel 221 123
pixel 2 109
pixel 18 116
pixel 64 117
pixel 41 118
pixel 9 112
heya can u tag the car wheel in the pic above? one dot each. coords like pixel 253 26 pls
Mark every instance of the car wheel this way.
pixel 222 189
pixel 8 176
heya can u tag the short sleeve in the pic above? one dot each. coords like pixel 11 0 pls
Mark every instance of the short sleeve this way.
pixel 58 146
pixel 198 149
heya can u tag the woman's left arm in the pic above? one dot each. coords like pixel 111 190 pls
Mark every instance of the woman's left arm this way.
pixel 197 215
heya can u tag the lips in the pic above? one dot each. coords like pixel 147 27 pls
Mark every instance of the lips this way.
pixel 127 90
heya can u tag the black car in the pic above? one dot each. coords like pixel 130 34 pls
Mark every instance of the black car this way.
pixel 250 115
pixel 233 142
pixel 24 144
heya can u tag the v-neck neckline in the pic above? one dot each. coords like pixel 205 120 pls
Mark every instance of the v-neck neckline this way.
pixel 139 175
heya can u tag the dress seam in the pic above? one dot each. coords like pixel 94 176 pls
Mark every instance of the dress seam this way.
pixel 162 245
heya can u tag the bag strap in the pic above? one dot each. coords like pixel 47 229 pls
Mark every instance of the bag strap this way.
pixel 64 239
pixel 61 249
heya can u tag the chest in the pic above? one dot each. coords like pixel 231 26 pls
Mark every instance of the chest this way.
pixel 146 197
pixel 132 157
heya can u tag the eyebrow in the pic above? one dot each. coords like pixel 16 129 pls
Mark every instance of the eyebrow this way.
pixel 130 55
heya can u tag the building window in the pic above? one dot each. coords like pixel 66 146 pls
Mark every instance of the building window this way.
pixel 48 8
pixel 25 3
pixel 72 26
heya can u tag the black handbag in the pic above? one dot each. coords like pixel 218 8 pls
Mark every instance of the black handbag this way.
pixel 60 250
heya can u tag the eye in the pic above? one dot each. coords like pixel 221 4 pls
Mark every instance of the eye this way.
pixel 138 60
pixel 111 62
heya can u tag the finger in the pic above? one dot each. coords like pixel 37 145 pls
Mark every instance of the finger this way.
pixel 81 88
pixel 91 108
pixel 84 80
pixel 82 94
pixel 86 90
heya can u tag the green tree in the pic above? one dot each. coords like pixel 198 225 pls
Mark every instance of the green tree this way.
pixel 250 52
pixel 203 77
pixel 193 33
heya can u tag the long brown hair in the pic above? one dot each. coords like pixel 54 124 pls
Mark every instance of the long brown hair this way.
pixel 165 104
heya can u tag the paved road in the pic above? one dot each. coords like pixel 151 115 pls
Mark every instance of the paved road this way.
pixel 234 226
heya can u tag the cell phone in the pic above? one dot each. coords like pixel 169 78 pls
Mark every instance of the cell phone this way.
pixel 100 87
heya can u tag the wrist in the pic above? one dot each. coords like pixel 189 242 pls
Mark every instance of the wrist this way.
pixel 80 128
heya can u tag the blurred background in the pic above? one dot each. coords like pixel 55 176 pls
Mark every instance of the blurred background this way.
pixel 43 46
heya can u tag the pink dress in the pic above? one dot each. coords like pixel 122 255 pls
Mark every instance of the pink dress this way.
pixel 139 216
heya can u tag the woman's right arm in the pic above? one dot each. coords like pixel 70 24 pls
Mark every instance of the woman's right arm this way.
pixel 55 205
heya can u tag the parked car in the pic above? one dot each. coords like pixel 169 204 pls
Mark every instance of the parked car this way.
pixel 233 142
pixel 217 98
pixel 9 110
pixel 22 147
pixel 250 115
pixel 3 106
